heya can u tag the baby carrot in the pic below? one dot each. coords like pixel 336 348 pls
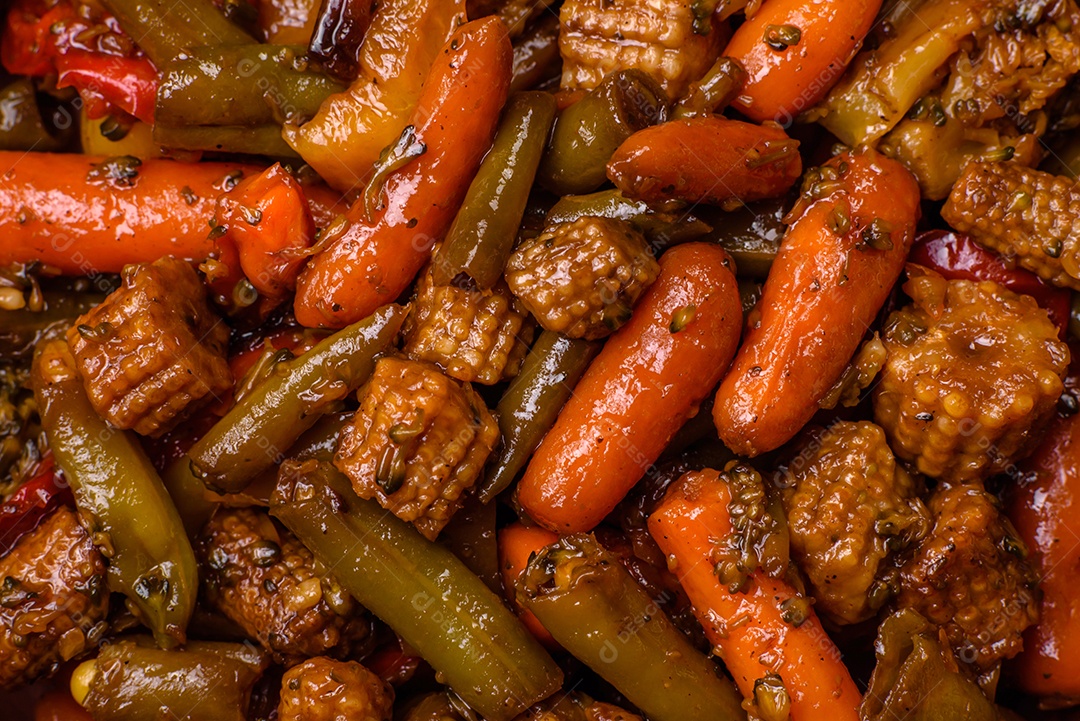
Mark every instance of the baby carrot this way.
pixel 517 544
pixel 87 214
pixel 706 160
pixel 749 628
pixel 1044 508
pixel 374 260
pixel 836 266
pixel 647 381
pixel 794 51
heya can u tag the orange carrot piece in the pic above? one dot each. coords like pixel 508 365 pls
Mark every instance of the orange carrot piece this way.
pixel 371 263
pixel 86 215
pixel 748 628
pixel 517 544
pixel 706 160
pixel 648 380
pixel 263 231
pixel 836 266
pixel 781 82
pixel 1045 507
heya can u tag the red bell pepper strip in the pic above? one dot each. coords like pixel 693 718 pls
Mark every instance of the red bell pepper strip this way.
pixel 34 500
pixel 129 84
pixel 39 40
pixel 957 257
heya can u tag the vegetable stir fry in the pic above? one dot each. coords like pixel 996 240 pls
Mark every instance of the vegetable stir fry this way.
pixel 539 360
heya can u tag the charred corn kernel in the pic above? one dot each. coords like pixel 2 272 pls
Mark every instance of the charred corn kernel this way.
pixel 418 441
pixel 153 350
pixel 850 509
pixel 970 575
pixel 322 689
pixel 264 580
pixel 53 599
pixel 598 37
pixel 973 373
pixel 474 336
pixel 1021 213
pixel 582 278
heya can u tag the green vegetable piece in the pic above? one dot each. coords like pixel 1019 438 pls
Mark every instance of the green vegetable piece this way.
pixel 165 29
pixel 205 681
pixel 22 125
pixel 483 233
pixel 664 227
pixel 751 235
pixel 20 330
pixel 531 403
pixel 116 487
pixel 595 609
pixel 257 140
pixel 240 85
pixel 258 431
pixel 914 677
pixel 588 132
pixel 420 589
pixel 714 92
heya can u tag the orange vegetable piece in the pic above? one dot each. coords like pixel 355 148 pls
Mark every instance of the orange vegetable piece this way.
pixel 836 266
pixel 344 139
pixel 647 381
pixel 748 628
pixel 706 160
pixel 517 544
pixel 1045 508
pixel 783 81
pixel 374 260
pixel 85 215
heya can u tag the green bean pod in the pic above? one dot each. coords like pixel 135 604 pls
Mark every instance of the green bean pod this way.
pixel 593 607
pixel 22 126
pixel 663 227
pixel 116 486
pixel 205 681
pixel 241 85
pixel 257 432
pixel 258 140
pixel 536 55
pixel 420 589
pixel 588 132
pixel 482 235
pixel 165 29
pixel 751 235
pixel 531 403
